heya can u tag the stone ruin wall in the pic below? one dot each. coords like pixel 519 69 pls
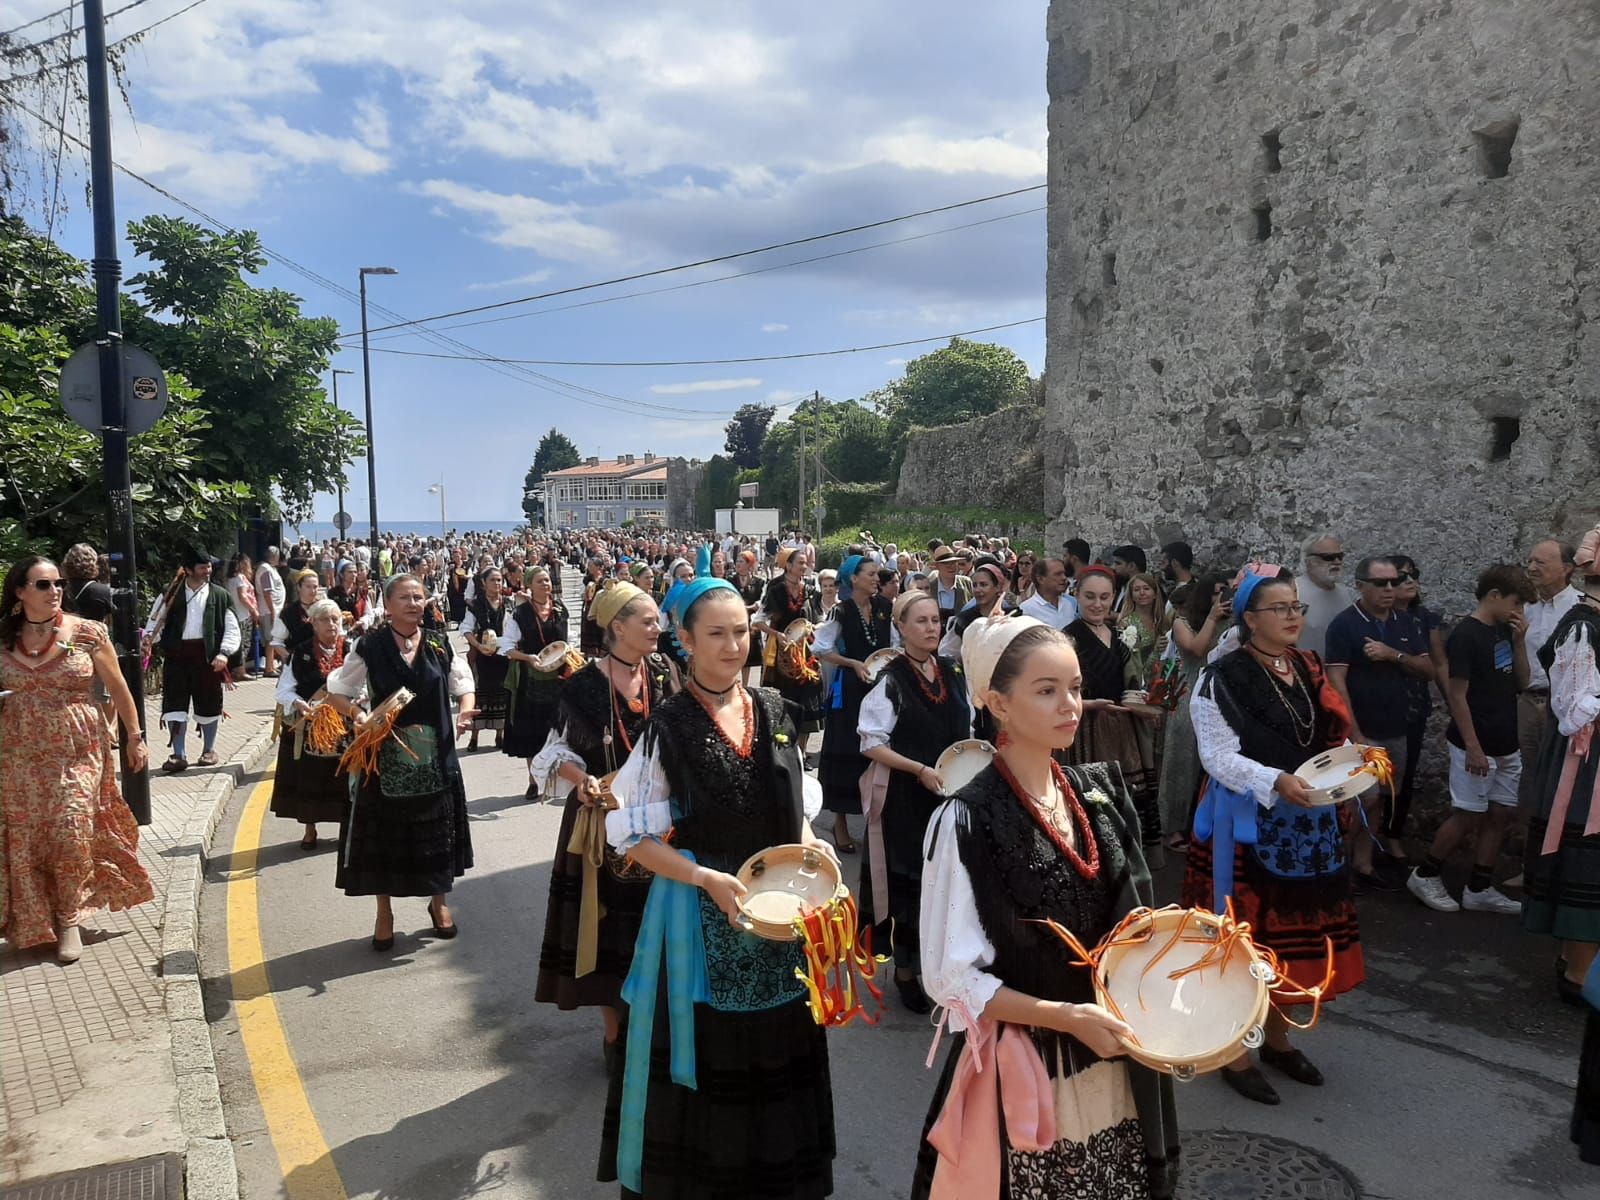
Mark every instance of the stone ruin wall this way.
pixel 992 462
pixel 1325 265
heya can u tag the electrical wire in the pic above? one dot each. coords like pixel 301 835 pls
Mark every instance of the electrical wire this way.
pixel 721 362
pixel 73 60
pixel 718 258
pixel 37 20
pixel 61 147
pixel 76 29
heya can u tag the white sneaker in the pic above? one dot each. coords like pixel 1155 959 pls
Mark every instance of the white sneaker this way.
pixel 1433 893
pixel 1490 900
pixel 69 944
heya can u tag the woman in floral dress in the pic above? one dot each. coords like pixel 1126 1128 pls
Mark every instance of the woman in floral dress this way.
pixel 70 843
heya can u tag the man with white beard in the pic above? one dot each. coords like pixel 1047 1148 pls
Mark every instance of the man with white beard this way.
pixel 1326 598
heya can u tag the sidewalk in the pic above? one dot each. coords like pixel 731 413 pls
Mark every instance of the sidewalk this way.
pixel 109 1060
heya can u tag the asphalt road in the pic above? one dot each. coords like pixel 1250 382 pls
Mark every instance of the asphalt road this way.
pixel 433 1075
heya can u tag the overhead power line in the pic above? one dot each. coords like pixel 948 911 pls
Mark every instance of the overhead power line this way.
pixel 719 258
pixel 65 8
pixel 722 362
pixel 76 29
pixel 73 60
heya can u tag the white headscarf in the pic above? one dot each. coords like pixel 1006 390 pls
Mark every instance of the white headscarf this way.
pixel 982 645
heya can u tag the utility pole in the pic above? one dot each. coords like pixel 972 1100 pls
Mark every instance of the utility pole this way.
pixel 817 444
pixel 113 406
pixel 339 434
pixel 800 503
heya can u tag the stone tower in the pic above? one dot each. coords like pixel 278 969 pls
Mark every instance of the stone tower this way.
pixel 1320 264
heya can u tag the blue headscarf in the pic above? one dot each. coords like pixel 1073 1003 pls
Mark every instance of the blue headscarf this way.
pixel 683 595
pixel 847 570
pixel 1246 589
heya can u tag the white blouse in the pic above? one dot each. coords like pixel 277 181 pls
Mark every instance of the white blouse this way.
pixel 287 691
pixel 1221 753
pixel 956 954
pixel 350 680
pixel 1575 682
pixel 878 717
pixel 825 639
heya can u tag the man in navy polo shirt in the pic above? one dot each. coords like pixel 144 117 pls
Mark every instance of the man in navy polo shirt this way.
pixel 1372 658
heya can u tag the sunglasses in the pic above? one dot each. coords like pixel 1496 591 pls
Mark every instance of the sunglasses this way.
pixel 1381 583
pixel 1337 556
pixel 48 585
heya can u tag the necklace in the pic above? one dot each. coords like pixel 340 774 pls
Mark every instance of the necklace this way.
pixel 49 642
pixel 868 626
pixel 1304 728
pixel 700 687
pixel 743 748
pixel 1277 662
pixel 933 689
pixel 1089 866
pixel 641 702
pixel 330 660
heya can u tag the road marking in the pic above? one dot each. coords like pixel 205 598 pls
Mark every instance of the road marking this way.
pixel 309 1172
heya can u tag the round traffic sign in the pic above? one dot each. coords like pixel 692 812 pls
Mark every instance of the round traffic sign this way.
pixel 342 521
pixel 144 389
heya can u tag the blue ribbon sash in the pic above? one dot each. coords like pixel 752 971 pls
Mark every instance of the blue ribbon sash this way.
pixel 1226 819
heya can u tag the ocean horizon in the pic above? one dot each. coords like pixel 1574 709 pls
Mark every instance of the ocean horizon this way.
pixel 318 530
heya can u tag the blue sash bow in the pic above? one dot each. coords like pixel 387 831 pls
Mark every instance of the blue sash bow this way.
pixel 1225 818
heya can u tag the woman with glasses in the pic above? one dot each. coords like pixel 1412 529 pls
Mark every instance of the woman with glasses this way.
pixel 70 844
pixel 1259 712
pixel 1425 630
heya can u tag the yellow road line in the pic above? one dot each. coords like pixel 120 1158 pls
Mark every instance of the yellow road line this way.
pixel 303 1154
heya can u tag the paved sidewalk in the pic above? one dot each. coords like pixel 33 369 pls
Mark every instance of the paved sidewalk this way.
pixel 110 1059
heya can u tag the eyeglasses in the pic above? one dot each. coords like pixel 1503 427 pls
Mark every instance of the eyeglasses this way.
pixel 1381 583
pixel 49 585
pixel 1336 556
pixel 1284 610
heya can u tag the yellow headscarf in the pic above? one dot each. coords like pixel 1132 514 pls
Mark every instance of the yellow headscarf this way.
pixel 612 601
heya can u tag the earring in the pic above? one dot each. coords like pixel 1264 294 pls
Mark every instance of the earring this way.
pixel 16 608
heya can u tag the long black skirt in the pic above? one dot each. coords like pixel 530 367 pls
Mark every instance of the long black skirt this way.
pixel 489 690
pixel 410 846
pixel 1562 890
pixel 842 762
pixel 532 698
pixel 907 809
pixel 308 789
pixel 759 1125
pixel 1586 1112
pixel 623 889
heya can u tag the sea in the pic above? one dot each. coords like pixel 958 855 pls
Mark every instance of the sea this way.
pixel 319 530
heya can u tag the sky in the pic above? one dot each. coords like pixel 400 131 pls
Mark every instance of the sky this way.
pixel 496 150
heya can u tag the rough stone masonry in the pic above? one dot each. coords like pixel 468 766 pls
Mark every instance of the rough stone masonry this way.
pixel 1325 265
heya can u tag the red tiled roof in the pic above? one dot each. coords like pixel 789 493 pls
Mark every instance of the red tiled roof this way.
pixel 613 466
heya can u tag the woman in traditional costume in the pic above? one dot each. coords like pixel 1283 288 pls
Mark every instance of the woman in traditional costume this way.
pixel 596 897
pixel 405 832
pixel 857 628
pixel 1195 633
pixel 1030 841
pixel 725 1091
pixel 292 625
pixel 751 590
pixel 350 599
pixel 308 786
pixel 1259 712
pixel 1561 866
pixel 532 693
pixel 455 587
pixel 487 613
pixel 790 667
pixel 1109 732
pixel 916 711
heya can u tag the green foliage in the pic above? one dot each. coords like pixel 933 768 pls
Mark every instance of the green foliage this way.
pixel 912 528
pixel 849 503
pixel 857 447
pixel 238 359
pixel 952 384
pixel 556 452
pixel 747 431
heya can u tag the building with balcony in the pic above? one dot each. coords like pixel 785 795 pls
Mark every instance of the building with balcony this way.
pixel 603 493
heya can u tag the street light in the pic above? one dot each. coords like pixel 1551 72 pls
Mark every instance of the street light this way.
pixel 366 379
pixel 339 438
pixel 439 487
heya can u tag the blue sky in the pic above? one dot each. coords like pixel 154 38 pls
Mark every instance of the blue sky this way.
pixel 493 150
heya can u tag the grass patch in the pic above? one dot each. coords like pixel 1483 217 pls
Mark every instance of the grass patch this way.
pixel 912 528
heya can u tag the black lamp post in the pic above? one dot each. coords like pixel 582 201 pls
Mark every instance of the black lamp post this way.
pixel 366 379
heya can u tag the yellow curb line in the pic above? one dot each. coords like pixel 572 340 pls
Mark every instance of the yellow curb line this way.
pixel 309 1172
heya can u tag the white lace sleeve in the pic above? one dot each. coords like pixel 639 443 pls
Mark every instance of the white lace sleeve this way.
pixel 1221 754
pixel 1575 682
pixel 287 692
pixel 469 622
pixel 955 952
pixel 460 676
pixel 642 790
pixel 350 679
pixel 826 639
pixel 877 716
pixel 549 761
pixel 510 639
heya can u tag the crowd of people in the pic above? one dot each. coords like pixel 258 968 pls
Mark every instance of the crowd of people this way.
pixel 1127 712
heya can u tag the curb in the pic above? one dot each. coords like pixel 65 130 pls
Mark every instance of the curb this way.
pixel 210 1170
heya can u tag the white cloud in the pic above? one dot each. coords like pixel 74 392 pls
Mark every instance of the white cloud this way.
pixel 525 222
pixel 703 385
pixel 782 396
pixel 894 362
pixel 921 150
pixel 531 279
pixel 305 148
pixel 774 327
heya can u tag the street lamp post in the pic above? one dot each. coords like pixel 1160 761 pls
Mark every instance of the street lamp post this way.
pixel 366 380
pixel 338 371
pixel 439 487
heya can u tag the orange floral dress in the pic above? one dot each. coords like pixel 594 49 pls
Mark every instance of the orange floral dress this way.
pixel 70 845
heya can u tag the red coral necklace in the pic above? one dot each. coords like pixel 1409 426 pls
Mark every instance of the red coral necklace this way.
pixel 933 689
pixel 745 744
pixel 1087 867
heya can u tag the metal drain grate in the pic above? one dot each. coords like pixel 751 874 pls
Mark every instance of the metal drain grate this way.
pixel 144 1179
pixel 1227 1164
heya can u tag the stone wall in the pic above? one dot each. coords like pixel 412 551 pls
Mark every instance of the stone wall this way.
pixel 683 485
pixel 1325 265
pixel 993 462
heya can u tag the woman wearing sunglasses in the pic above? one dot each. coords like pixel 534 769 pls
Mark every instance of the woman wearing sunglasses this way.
pixel 70 844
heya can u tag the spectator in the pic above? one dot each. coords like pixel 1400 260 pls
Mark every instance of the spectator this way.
pixel 1076 555
pixel 1177 568
pixel 952 590
pixel 1050 602
pixel 271 595
pixel 1372 657
pixel 1409 607
pixel 242 595
pixel 1487 655
pixel 1126 562
pixel 85 595
pixel 1550 565
pixel 1326 598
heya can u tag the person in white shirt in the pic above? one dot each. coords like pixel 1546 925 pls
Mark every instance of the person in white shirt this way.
pixel 1326 598
pixel 1550 565
pixel 1050 602
pixel 271 596
pixel 197 631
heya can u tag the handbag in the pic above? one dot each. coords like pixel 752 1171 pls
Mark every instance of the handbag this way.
pixel 408 764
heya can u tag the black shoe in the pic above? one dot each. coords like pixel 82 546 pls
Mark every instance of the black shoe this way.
pixel 443 932
pixel 381 944
pixel 912 996
pixel 532 793
pixel 1252 1085
pixel 1570 993
pixel 1376 881
pixel 612 1051
pixel 1294 1064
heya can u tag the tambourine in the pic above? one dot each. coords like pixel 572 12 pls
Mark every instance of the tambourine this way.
pixel 381 711
pixel 961 763
pixel 558 656
pixel 878 661
pixel 1344 772
pixel 799 630
pixel 783 884
pixel 489 641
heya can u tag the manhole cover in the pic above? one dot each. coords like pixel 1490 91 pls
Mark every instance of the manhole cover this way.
pixel 1225 1164
pixel 145 1179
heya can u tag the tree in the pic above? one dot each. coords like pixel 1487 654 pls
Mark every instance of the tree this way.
pixel 858 448
pixel 556 452
pixel 952 384
pixel 747 431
